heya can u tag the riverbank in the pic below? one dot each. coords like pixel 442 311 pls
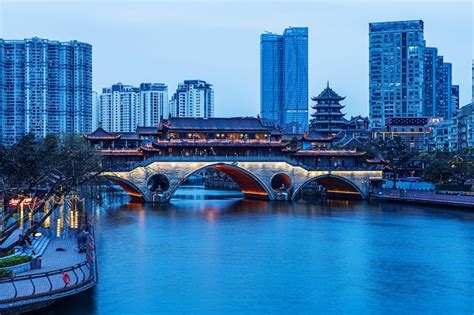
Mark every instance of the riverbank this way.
pixel 425 198
pixel 63 271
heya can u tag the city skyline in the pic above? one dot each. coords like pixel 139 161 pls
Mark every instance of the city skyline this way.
pixel 230 47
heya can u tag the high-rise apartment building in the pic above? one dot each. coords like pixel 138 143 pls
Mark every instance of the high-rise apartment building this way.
pixel 443 107
pixel 396 70
pixel 153 103
pixel 455 102
pixel 284 79
pixel 193 98
pixel 407 79
pixel 119 108
pixel 95 111
pixel 430 71
pixel 438 88
pixel 124 107
pixel 45 87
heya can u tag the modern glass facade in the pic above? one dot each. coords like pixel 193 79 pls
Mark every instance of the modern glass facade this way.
pixel 431 61
pixel 455 102
pixel 284 79
pixel 45 87
pixel 396 69
pixel 437 86
pixel 444 107
pixel 271 77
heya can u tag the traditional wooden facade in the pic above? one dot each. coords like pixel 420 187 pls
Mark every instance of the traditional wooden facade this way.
pixel 220 137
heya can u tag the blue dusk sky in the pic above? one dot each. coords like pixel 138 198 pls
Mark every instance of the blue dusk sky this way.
pixel 218 41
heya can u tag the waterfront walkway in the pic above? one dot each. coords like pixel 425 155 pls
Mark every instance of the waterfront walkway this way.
pixel 426 197
pixel 48 282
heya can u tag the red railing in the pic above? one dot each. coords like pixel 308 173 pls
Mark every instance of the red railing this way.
pixel 44 284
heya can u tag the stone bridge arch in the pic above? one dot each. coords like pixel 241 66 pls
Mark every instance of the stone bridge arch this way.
pixel 253 175
pixel 129 187
pixel 250 184
pixel 334 184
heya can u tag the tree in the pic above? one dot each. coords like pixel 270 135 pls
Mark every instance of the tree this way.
pixel 27 168
pixel 397 154
pixel 438 169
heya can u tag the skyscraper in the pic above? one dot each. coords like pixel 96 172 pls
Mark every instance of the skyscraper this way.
pixel 455 102
pixel 472 82
pixel 284 79
pixel 124 107
pixel 430 71
pixel 95 111
pixel 444 107
pixel 193 98
pixel 45 87
pixel 437 86
pixel 396 70
pixel 271 77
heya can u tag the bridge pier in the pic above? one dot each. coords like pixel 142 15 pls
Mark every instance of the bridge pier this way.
pixel 157 181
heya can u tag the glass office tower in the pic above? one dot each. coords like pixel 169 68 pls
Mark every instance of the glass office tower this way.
pixel 396 69
pixel 284 79
pixel 437 86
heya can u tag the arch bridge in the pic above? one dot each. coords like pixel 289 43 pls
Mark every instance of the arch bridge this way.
pixel 156 180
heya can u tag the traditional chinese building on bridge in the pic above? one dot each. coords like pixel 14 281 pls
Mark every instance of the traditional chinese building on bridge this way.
pixel 220 137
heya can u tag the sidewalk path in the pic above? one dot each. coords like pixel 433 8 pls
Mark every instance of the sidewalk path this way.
pixel 51 260
pixel 466 201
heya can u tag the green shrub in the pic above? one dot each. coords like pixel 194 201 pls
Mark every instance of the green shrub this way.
pixel 12 261
pixel 5 273
pixel 453 187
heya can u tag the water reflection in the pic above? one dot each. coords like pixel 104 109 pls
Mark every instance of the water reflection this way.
pixel 202 255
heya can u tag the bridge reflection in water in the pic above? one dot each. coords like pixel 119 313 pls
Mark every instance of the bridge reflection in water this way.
pixel 156 180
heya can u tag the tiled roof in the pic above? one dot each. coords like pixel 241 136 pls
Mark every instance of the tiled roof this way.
pixel 317 136
pixel 100 133
pixel 130 136
pixel 328 94
pixel 147 130
pixel 231 124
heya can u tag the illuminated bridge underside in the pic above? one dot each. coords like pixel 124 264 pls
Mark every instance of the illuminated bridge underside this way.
pixel 337 185
pixel 129 188
pixel 250 186
pixel 254 178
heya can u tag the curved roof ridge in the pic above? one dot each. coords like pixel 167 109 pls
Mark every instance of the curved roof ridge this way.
pixel 328 94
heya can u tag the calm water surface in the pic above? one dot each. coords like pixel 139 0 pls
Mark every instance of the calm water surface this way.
pixel 213 253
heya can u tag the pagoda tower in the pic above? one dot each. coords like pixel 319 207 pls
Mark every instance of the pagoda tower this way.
pixel 327 116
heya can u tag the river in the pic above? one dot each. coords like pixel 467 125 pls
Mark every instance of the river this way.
pixel 210 252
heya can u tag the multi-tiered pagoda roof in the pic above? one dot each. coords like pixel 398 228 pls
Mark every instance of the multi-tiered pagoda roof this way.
pixel 327 116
